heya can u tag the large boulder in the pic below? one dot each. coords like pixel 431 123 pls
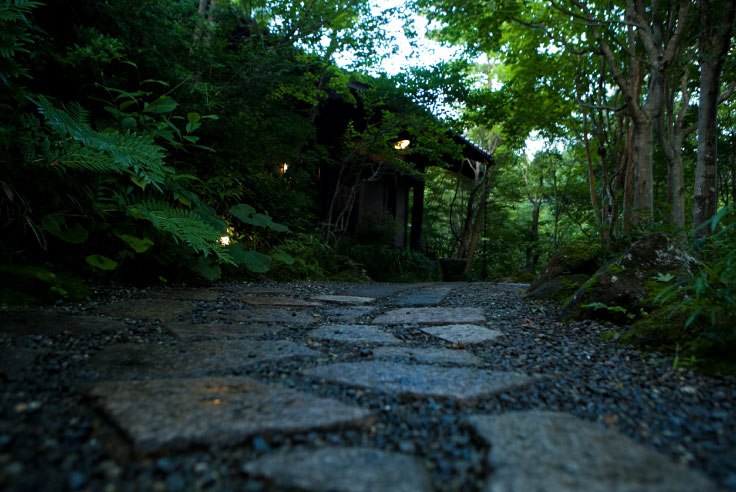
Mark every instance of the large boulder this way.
pixel 624 288
pixel 568 269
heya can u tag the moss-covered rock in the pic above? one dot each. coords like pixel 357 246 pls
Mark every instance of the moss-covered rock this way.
pixel 622 290
pixel 559 288
pixel 568 269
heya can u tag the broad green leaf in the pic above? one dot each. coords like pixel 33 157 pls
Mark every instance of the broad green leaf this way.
pixel 252 260
pixel 243 211
pixel 161 105
pixel 128 123
pixel 207 268
pixel 193 118
pixel 140 182
pixel 257 262
pixel 283 257
pixel 101 262
pixel 55 225
pixel 137 244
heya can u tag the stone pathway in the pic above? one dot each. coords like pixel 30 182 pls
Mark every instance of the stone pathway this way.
pixel 337 387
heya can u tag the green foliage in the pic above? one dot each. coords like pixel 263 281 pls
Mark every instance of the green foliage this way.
pixel 706 302
pixel 30 284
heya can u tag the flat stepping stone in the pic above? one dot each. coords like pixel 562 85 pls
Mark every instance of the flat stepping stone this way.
pixel 277 301
pixel 353 334
pixel 267 315
pixel 189 294
pixel 377 290
pixel 421 381
pixel 39 322
pixel 429 296
pixel 345 314
pixel 431 316
pixel 164 414
pixel 539 450
pixel 127 360
pixel 463 334
pixel 341 469
pixel 428 355
pixel 147 309
pixel 192 331
pixel 346 300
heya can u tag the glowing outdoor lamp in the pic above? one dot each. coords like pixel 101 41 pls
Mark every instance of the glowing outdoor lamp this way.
pixel 402 144
pixel 283 168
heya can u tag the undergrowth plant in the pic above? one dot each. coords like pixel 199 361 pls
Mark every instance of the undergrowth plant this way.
pixel 708 298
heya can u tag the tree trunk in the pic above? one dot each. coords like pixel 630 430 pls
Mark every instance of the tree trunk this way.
pixel 643 196
pixel 479 219
pixel 716 23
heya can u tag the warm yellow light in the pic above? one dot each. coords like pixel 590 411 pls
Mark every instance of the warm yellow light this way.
pixel 402 144
pixel 216 401
pixel 225 240
pixel 284 167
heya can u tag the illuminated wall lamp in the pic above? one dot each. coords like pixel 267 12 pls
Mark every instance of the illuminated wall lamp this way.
pixel 402 144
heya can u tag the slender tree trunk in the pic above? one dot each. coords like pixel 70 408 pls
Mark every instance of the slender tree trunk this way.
pixel 716 23
pixel 643 197
pixel 479 220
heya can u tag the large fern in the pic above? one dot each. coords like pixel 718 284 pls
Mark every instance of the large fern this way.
pixel 184 225
pixel 14 37
pixel 112 151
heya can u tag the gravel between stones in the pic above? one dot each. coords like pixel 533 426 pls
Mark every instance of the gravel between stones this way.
pixel 55 437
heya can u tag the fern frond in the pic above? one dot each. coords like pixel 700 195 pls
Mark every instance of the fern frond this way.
pixel 136 154
pixel 77 156
pixel 183 225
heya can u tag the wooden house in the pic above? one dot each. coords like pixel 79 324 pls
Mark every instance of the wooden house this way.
pixel 396 193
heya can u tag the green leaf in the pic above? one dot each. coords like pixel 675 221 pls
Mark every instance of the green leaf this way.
pixel 128 123
pixel 252 260
pixel 242 211
pixel 193 118
pixel 101 262
pixel 257 262
pixel 282 256
pixel 54 224
pixel 137 244
pixel 207 268
pixel 140 182
pixel 161 105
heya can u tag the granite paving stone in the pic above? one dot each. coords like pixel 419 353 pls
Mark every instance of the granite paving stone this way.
pixel 377 290
pixel 536 451
pixel 431 316
pixel 341 469
pixel 195 331
pixel 353 334
pixel 147 309
pixel 345 314
pixel 347 300
pixel 40 322
pixel 204 294
pixel 162 414
pixel 464 385
pixel 126 360
pixel 463 334
pixel 428 296
pixel 267 315
pixel 277 301
pixel 428 355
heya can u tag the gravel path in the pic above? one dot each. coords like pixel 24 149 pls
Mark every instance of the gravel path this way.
pixel 338 386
